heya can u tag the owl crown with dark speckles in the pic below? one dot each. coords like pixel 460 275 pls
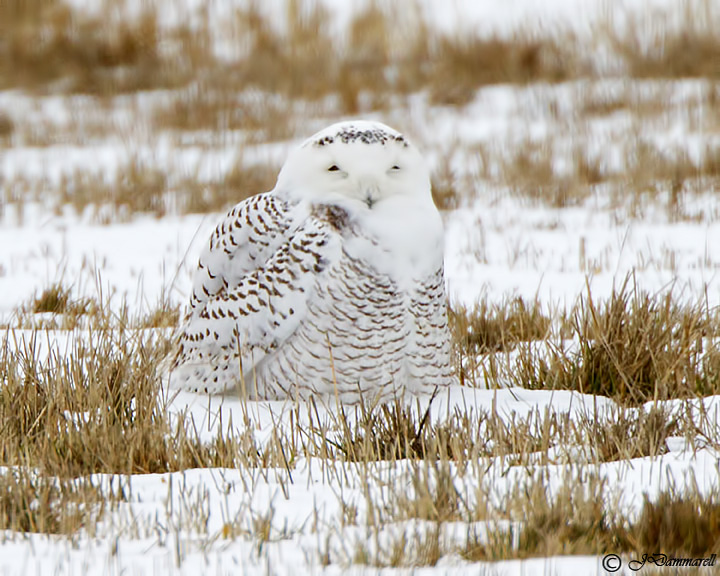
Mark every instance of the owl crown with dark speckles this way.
pixel 350 134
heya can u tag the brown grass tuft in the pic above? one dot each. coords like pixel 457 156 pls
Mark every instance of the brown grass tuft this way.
pixel 488 328
pixel 460 65
pixel 97 406
pixel 36 503
pixel 679 525
pixel 668 45
pixel 492 327
pixel 633 348
pixel 7 127
pixel 241 182
pixel 48 43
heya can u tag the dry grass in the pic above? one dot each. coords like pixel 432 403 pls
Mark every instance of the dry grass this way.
pixel 36 503
pixel 633 348
pixel 7 128
pixel 665 46
pixel 529 170
pixel 649 174
pixel 460 65
pixel 116 366
pixel 680 525
pixel 48 44
pixel 447 192
pixel 56 308
pixel 492 327
pixel 56 300
pixel 396 432
pixel 301 62
pixel 572 521
pixel 534 520
pixel 239 183
pixel 94 406
pixel 53 308
pixel 668 176
pixel 139 186
pixel 204 106
pixel 276 73
pixel 575 520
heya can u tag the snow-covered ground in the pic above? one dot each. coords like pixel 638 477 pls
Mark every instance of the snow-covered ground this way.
pixel 498 244
pixel 180 523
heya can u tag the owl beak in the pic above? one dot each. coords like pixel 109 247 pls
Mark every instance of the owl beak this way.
pixel 370 192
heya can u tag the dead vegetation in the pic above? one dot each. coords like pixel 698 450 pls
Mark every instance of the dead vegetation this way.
pixel 637 348
pixel 36 503
pixel 239 183
pixel 141 186
pixel 49 45
pixel 634 348
pixel 459 65
pixel 138 186
pixel 492 327
pixel 572 521
pixel 93 405
pixel 650 173
pixel 534 519
pixel 668 46
pixel 680 525
pixel 255 79
pixel 529 170
pixel 575 519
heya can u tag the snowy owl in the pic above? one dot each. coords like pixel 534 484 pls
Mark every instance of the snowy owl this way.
pixel 329 285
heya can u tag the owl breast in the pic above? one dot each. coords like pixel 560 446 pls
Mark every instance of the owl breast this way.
pixel 363 335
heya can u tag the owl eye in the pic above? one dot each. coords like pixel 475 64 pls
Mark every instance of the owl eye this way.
pixel 395 167
pixel 334 168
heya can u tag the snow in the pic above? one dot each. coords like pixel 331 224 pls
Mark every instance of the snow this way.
pixel 498 245
pixel 536 253
pixel 141 260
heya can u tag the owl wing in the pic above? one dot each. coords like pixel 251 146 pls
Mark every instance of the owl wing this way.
pixel 251 291
pixel 249 234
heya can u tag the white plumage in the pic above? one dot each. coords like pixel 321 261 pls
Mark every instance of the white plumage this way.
pixel 329 285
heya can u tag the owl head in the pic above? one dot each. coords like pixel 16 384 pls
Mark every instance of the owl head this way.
pixel 360 165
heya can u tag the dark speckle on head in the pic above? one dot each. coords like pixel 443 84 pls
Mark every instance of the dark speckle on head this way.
pixel 351 134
